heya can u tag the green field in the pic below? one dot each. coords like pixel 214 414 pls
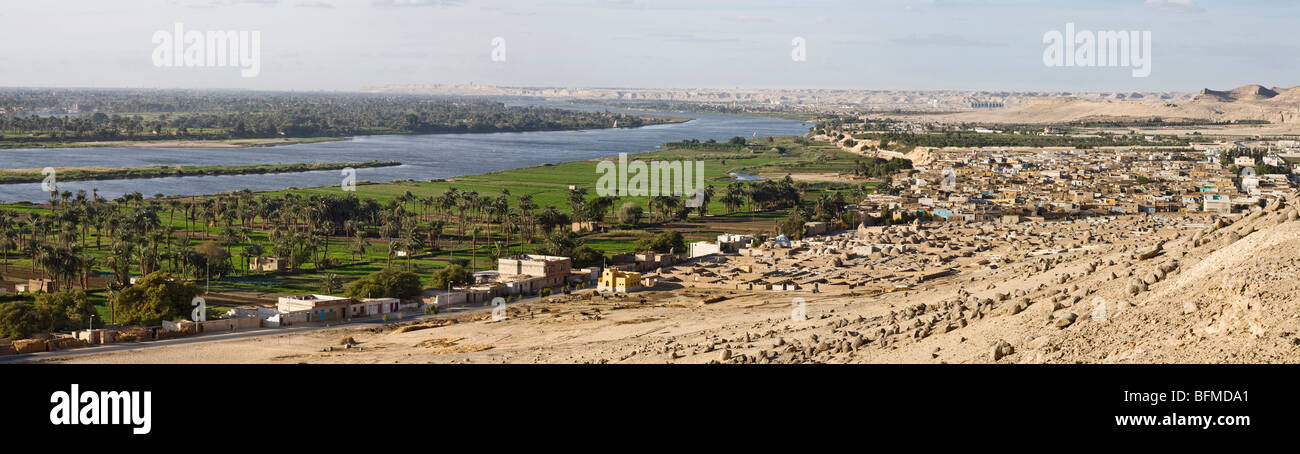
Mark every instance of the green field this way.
pixel 549 184
pixel 232 221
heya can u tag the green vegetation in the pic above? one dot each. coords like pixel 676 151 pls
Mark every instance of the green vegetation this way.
pixel 64 310
pixel 395 239
pixel 158 115
pixel 160 171
pixel 669 241
pixel 389 283
pixel 156 297
pixel 1228 157
pixel 878 167
pixel 451 276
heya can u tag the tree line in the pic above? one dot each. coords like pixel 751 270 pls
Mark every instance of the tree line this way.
pixel 34 116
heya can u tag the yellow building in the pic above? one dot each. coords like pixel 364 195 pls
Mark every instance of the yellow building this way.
pixel 618 281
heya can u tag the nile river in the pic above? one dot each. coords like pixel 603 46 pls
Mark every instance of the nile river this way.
pixel 422 156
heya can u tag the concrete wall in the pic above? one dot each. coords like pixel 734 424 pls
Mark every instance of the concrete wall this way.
pixel 703 248
pixel 535 266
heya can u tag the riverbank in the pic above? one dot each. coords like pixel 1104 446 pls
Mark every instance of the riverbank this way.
pixel 12 176
pixel 160 142
pixel 172 143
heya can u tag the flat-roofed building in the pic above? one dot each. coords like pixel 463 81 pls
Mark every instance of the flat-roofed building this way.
pixel 526 274
pixel 317 307
pixel 1219 203
pixel 614 280
pixel 264 264
pixel 535 265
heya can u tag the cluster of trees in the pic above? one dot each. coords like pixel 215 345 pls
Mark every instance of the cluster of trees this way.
pixel 161 171
pixel 152 299
pixel 827 207
pixel 711 145
pixel 762 195
pixel 874 167
pixel 156 297
pixel 58 311
pixel 792 226
pixel 451 276
pixel 1227 158
pixel 668 241
pixel 564 243
pixel 388 283
pixel 227 115
pixel 976 139
pixel 662 208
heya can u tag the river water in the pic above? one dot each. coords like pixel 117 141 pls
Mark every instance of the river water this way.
pixel 422 156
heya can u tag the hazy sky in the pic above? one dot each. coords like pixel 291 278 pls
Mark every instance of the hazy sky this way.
pixel 899 44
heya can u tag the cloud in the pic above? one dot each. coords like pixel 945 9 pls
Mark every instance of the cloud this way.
pixel 943 40
pixel 1189 6
pixel 685 38
pixel 406 3
pixel 221 3
pixel 752 19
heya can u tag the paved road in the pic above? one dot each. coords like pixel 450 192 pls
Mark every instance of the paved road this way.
pixel 228 335
pixel 207 337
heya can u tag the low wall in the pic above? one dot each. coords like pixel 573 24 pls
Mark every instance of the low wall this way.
pixel 227 324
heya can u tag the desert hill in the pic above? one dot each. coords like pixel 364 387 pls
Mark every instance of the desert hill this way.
pixel 1245 103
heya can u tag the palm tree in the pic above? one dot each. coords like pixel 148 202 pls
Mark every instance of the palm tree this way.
pixel 733 197
pixel 527 209
pixel 8 234
pixel 359 245
pixel 88 263
pixel 404 244
pixel 510 226
pixel 330 282
pixel 706 196
pixel 250 252
pixel 474 246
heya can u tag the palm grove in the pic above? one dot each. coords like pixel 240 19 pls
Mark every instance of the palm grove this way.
pixel 87 243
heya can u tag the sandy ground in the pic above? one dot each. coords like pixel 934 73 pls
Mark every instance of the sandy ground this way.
pixel 1208 295
pixel 1280 107
pixel 831 177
